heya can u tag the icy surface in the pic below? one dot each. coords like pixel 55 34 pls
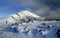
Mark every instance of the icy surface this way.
pixel 35 29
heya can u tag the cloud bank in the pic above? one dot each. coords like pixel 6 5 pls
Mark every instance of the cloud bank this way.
pixel 44 8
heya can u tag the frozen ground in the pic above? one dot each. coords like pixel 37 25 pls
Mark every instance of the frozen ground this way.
pixel 28 25
pixel 35 29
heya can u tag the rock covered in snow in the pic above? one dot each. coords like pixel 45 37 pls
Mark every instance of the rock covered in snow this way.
pixel 34 29
pixel 28 25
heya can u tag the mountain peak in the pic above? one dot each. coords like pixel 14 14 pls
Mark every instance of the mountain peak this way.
pixel 21 16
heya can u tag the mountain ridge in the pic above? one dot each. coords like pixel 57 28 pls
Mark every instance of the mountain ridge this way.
pixel 23 15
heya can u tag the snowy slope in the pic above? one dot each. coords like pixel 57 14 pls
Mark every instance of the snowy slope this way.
pixel 34 29
pixel 27 25
pixel 23 15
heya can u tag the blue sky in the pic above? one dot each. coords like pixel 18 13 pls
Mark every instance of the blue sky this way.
pixel 8 7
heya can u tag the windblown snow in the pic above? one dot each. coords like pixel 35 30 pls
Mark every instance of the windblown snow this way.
pixel 28 25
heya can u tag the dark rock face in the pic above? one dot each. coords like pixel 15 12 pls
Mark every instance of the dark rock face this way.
pixel 58 33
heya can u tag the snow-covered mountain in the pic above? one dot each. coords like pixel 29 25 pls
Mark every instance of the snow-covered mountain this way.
pixel 20 16
pixel 36 29
pixel 26 24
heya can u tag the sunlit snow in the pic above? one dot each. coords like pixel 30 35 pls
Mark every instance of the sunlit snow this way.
pixel 28 27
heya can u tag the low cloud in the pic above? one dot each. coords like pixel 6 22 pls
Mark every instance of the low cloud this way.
pixel 45 8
